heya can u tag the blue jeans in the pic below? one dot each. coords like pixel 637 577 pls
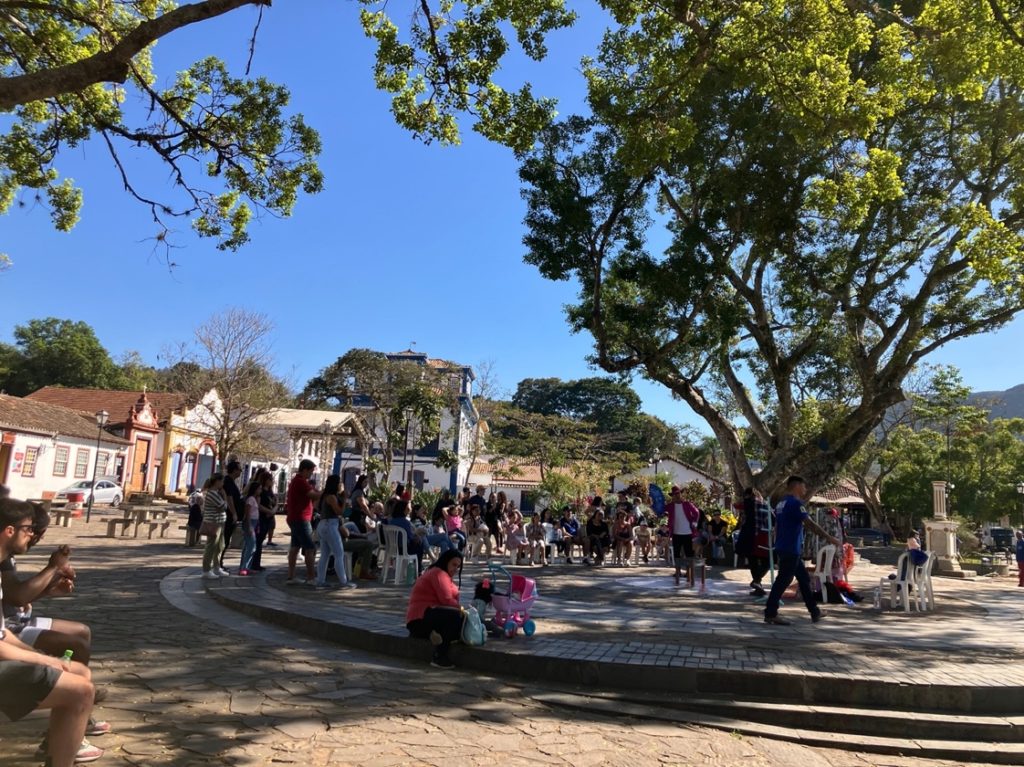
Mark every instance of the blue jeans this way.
pixel 248 546
pixel 790 566
pixel 330 545
pixel 441 540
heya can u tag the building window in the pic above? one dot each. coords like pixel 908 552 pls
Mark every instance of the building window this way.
pixel 60 461
pixel 81 462
pixel 28 466
pixel 101 464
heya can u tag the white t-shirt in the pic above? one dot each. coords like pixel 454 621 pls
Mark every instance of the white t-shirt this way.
pixel 681 522
pixel 252 507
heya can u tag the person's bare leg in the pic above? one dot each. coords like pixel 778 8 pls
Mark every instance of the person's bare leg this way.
pixel 309 555
pixel 70 703
pixel 55 642
pixel 293 557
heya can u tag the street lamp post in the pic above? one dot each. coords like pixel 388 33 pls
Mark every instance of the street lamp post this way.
pixel 325 432
pixel 101 420
pixel 1020 490
pixel 405 455
pixel 656 457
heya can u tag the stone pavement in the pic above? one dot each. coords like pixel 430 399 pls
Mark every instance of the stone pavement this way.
pixel 192 683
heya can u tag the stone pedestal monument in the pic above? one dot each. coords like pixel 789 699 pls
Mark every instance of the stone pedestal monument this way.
pixel 940 535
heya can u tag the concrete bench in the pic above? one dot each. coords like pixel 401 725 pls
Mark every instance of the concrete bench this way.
pixel 192 536
pixel 112 527
pixel 61 516
pixel 153 525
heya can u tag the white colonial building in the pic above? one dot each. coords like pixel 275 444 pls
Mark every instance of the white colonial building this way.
pixel 458 431
pixel 44 448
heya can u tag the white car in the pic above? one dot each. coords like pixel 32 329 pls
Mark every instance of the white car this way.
pixel 107 491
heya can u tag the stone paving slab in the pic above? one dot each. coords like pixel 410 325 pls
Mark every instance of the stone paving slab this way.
pixel 178 665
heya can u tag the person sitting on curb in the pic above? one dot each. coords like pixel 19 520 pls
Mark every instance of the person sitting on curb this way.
pixel 792 518
pixel 434 610
pixel 30 680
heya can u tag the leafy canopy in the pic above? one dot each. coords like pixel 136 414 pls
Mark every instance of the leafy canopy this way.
pixel 72 71
pixel 778 209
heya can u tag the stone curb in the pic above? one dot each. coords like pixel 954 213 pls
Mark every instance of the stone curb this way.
pixel 528 660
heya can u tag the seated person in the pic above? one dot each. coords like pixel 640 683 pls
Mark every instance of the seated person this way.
pixel 537 536
pixel 571 533
pixel 30 680
pixel 477 532
pixel 52 636
pixel 663 540
pixel 452 520
pixel 515 536
pixel 434 610
pixel 417 539
pixel 598 539
pixel 622 533
pixel 716 533
pixel 643 539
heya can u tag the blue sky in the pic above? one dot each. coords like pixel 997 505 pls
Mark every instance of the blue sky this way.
pixel 408 243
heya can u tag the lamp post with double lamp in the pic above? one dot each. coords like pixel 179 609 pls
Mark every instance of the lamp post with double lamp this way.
pixel 101 420
pixel 656 459
pixel 1020 491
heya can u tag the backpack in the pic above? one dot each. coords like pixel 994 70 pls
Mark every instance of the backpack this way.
pixel 473 632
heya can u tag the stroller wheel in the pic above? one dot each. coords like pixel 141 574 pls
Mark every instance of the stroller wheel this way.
pixel 510 628
pixel 529 627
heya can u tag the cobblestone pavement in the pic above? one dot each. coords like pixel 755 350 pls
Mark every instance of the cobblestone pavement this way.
pixel 193 683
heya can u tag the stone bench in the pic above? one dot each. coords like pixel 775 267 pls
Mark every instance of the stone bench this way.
pixel 192 536
pixel 61 517
pixel 112 527
pixel 153 525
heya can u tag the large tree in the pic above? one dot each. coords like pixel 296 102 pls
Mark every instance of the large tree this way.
pixel 787 204
pixel 75 70
pixel 55 352
pixel 230 352
pixel 401 402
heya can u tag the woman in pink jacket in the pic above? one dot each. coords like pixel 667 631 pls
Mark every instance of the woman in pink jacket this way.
pixel 683 518
pixel 434 610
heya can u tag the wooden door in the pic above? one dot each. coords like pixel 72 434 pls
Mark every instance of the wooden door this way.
pixel 140 459
pixel 5 462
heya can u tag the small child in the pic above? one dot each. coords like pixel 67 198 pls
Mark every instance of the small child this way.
pixel 664 541
pixel 643 539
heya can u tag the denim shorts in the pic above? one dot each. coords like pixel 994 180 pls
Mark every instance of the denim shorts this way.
pixel 302 534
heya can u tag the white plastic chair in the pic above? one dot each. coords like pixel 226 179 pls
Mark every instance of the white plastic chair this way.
pixel 396 555
pixel 899 587
pixel 823 569
pixel 923 581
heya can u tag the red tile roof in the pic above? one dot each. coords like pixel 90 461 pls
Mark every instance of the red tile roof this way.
pixel 21 414
pixel 117 403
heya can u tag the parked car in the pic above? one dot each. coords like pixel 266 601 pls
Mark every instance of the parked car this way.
pixel 869 535
pixel 108 491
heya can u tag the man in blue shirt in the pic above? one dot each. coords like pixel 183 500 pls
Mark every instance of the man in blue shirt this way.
pixel 570 533
pixel 790 520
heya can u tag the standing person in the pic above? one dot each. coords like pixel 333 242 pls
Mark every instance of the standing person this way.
pixel 887 532
pixel 30 680
pixel 494 516
pixel 332 504
pixel 683 521
pixel 434 610
pixel 757 553
pixel 298 507
pixel 215 507
pixel 1020 559
pixel 268 507
pixel 250 525
pixel 791 519
pixel 234 508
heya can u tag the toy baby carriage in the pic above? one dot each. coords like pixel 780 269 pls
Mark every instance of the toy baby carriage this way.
pixel 512 599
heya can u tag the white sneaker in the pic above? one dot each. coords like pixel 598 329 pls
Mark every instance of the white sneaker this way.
pixel 210 575
pixel 293 581
pixel 349 585
pixel 222 572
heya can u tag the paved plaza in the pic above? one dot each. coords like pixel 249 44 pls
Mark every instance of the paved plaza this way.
pixel 194 682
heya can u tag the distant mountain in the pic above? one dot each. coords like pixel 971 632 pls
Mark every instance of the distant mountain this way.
pixel 1003 404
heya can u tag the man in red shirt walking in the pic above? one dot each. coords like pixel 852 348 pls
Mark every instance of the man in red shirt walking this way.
pixel 298 508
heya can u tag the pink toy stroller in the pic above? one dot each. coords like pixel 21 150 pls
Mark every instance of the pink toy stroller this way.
pixel 513 597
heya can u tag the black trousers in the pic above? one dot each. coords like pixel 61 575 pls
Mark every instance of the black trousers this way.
pixel 229 530
pixel 758 568
pixel 446 621
pixel 266 525
pixel 791 566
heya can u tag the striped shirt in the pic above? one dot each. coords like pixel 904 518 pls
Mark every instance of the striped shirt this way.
pixel 214 507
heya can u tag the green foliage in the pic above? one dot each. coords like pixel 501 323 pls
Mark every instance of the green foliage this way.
pixel 445 61
pixel 841 190
pixel 393 396
pixel 55 352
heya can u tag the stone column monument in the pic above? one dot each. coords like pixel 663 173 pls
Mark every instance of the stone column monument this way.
pixel 940 535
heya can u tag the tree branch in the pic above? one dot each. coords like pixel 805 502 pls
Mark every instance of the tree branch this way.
pixel 111 65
